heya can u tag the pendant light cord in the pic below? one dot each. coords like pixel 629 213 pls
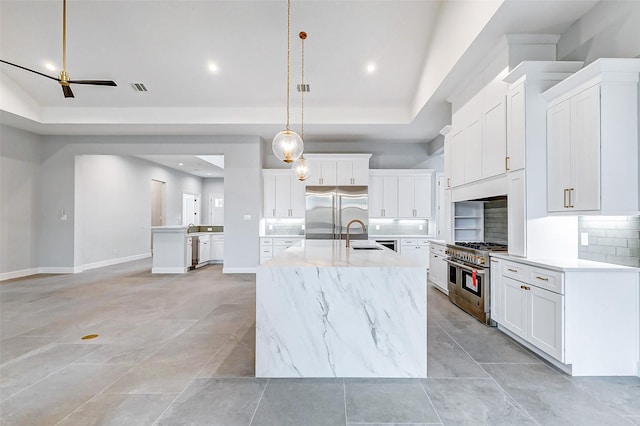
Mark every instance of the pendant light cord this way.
pixel 288 58
pixel 303 36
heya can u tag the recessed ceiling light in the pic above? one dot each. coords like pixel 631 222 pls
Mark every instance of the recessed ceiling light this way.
pixel 213 67
pixel 50 66
pixel 180 164
pixel 371 67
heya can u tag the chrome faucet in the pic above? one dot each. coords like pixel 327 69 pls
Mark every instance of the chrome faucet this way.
pixel 364 228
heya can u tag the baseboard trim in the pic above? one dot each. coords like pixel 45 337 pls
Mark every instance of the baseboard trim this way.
pixel 60 270
pixel 117 261
pixel 249 270
pixel 71 269
pixel 18 274
pixel 169 270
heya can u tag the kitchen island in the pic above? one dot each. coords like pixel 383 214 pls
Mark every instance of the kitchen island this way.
pixel 325 310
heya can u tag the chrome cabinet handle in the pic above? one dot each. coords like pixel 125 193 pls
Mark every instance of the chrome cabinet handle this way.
pixel 564 201
pixel 512 270
pixel 542 279
pixel 506 163
pixel 494 261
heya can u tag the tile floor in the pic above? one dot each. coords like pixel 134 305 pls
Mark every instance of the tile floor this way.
pixel 179 350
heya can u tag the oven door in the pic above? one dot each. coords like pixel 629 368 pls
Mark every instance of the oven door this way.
pixel 468 289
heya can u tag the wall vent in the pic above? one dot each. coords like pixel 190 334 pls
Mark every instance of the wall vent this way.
pixel 139 87
pixel 304 88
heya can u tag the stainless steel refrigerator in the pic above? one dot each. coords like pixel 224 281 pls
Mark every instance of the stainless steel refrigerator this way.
pixel 330 208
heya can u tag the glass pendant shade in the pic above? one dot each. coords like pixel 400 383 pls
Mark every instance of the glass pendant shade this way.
pixel 287 146
pixel 301 168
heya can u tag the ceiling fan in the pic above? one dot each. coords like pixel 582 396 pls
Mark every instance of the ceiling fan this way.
pixel 63 79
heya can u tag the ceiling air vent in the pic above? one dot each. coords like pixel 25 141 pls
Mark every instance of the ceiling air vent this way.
pixel 139 87
pixel 304 88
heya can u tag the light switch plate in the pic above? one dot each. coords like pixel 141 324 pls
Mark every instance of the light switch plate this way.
pixel 247 217
pixel 584 238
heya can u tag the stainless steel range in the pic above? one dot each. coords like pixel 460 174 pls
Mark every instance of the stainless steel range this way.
pixel 469 278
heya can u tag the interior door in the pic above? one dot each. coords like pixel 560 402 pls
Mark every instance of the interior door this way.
pixel 190 209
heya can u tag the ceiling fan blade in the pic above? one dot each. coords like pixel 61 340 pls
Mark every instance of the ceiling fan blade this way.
pixel 29 69
pixel 67 92
pixel 94 82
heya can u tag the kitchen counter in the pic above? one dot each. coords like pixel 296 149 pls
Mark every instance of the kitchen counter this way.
pixel 323 310
pixel 334 253
pixel 564 265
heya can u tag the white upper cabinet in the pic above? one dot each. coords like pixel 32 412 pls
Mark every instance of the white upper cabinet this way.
pixel 494 124
pixel 284 194
pixel 478 145
pixel 322 172
pixel 338 169
pixel 516 132
pixel 414 196
pixel 383 195
pixel 352 172
pixel 592 140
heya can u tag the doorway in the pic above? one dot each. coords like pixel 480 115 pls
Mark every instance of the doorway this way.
pixel 190 209
pixel 216 209
pixel 158 195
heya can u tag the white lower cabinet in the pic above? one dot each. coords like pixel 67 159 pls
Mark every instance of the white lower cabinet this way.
pixel 531 312
pixel 217 248
pixel 273 246
pixel 416 249
pixel 204 249
pixel 580 315
pixel 438 267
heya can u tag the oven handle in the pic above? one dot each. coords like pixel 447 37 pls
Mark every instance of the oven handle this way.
pixel 460 265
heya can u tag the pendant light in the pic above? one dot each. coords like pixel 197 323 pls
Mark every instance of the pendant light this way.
pixel 300 167
pixel 287 145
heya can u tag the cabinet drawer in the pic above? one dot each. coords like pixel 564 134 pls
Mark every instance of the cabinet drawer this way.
pixel 544 278
pixel 514 270
pixel 437 249
pixel 266 242
pixel 408 242
pixel 422 242
pixel 266 251
pixel 285 242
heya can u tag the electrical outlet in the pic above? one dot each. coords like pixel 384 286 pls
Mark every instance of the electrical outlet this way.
pixel 209 229
pixel 247 217
pixel 584 238
pixel 377 227
pixel 420 227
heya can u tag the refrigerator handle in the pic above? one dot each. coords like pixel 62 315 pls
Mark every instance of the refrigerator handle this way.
pixel 333 216
pixel 339 218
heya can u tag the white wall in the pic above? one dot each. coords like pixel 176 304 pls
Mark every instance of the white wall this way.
pixel 609 30
pixel 113 205
pixel 20 153
pixel 59 245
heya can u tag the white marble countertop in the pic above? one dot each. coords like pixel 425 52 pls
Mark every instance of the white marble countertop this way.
pixel 562 265
pixel 333 253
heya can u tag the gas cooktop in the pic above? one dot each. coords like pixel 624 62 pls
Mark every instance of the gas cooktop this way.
pixel 482 246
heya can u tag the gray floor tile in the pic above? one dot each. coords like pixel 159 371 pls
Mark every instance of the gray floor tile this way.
pixel 227 402
pixel 474 402
pixel 23 372
pixel 550 397
pixel 237 357
pixel 17 346
pixel 52 399
pixel 487 344
pixel 138 343
pixel 621 394
pixel 388 401
pixel 119 410
pixel 172 367
pixel 445 358
pixel 309 402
